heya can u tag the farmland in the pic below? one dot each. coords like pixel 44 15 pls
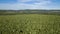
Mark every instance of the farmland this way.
pixel 29 24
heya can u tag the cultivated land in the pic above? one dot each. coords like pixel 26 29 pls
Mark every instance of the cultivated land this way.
pixel 30 24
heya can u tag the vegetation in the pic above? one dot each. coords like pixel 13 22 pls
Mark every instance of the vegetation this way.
pixel 14 12
pixel 30 24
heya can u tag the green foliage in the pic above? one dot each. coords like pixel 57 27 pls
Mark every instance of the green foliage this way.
pixel 29 24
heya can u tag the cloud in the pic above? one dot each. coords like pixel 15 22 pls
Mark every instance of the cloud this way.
pixel 26 4
pixel 24 0
pixel 38 4
pixel 30 0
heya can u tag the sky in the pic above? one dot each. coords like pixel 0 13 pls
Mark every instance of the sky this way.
pixel 29 4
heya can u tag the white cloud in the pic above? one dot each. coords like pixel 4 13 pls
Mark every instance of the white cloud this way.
pixel 22 1
pixel 41 4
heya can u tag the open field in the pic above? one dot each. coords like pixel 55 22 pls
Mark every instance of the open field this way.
pixel 30 24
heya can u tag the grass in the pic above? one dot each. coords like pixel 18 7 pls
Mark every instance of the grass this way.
pixel 29 24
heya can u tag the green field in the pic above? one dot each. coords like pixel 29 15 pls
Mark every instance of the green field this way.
pixel 30 24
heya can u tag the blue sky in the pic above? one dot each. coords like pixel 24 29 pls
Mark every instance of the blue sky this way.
pixel 8 1
pixel 29 4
